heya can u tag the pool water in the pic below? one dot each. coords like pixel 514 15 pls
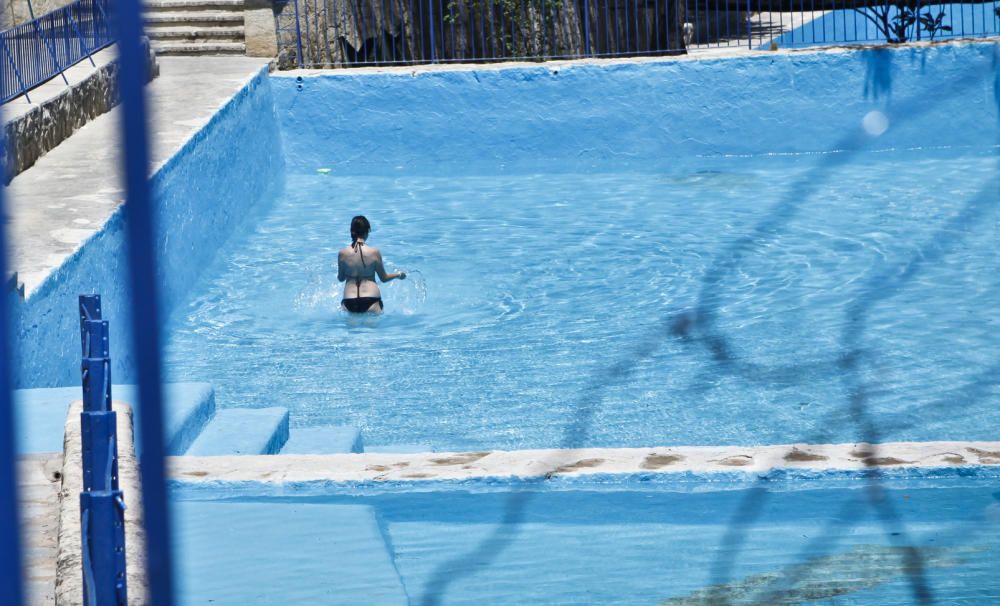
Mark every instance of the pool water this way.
pixel 549 309
pixel 823 543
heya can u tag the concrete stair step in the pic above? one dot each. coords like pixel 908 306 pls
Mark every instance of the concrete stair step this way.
pixel 194 19
pixel 41 414
pixel 192 5
pixel 323 440
pixel 199 48
pixel 284 553
pixel 243 431
pixel 199 34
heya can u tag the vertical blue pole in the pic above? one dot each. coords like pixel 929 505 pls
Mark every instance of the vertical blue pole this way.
pixel 586 27
pixel 145 300
pixel 10 531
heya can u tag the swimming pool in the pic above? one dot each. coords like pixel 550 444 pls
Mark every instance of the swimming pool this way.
pixel 534 296
pixel 674 541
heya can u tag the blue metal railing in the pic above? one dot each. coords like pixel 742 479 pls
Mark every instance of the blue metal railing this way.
pixel 102 503
pixel 38 50
pixel 344 33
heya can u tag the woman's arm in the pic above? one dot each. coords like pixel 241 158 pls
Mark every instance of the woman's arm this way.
pixel 340 267
pixel 382 275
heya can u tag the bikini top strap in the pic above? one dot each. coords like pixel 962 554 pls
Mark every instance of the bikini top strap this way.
pixel 359 247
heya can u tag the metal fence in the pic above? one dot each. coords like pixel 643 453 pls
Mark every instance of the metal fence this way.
pixel 344 33
pixel 38 50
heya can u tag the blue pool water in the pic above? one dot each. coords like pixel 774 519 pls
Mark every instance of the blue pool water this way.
pixel 542 306
pixel 593 543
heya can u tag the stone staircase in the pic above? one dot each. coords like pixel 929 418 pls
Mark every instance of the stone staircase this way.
pixel 195 27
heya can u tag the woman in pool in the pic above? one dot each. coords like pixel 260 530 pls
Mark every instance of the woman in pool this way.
pixel 358 264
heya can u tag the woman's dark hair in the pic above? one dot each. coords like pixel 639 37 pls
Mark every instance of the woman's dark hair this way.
pixel 360 227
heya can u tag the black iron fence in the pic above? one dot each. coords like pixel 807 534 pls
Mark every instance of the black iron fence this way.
pixel 343 33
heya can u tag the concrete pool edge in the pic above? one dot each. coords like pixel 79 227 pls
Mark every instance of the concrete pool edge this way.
pixel 428 467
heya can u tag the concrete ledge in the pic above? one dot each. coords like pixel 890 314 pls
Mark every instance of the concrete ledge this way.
pixel 50 120
pixel 586 461
pixel 69 570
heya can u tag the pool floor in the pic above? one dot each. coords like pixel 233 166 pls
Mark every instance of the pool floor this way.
pixel 712 302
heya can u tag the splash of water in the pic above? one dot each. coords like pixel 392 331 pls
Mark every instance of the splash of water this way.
pixel 409 295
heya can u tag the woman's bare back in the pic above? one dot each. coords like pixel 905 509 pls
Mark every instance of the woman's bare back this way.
pixel 358 265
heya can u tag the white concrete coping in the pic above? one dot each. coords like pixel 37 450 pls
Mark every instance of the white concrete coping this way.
pixel 579 462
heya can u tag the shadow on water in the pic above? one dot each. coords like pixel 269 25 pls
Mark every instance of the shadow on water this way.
pixel 878 74
pixel 812 577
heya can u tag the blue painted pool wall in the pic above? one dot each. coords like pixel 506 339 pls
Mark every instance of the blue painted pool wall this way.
pixel 201 193
pixel 637 115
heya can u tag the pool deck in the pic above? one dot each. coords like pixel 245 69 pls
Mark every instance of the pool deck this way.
pixel 69 194
pixel 38 495
pixel 580 462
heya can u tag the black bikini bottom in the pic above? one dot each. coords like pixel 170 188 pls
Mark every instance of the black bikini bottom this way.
pixel 360 305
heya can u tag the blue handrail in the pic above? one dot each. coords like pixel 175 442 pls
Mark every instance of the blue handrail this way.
pixel 35 51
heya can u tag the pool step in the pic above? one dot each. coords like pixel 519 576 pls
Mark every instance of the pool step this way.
pixel 41 414
pixel 243 431
pixel 283 553
pixel 324 440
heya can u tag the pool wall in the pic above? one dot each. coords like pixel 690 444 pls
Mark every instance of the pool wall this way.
pixel 637 115
pixel 202 193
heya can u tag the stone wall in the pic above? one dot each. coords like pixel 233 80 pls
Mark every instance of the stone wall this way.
pixel 259 30
pixel 17 11
pixel 52 121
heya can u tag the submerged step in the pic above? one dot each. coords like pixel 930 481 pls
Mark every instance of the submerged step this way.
pixel 283 553
pixel 41 414
pixel 243 431
pixel 331 439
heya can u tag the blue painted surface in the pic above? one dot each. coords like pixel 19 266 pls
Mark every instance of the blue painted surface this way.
pixel 196 210
pixel 243 431
pixel 514 332
pixel 400 448
pixel 324 440
pixel 41 414
pixel 280 553
pixel 638 116
pixel 839 26
pixel 623 541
